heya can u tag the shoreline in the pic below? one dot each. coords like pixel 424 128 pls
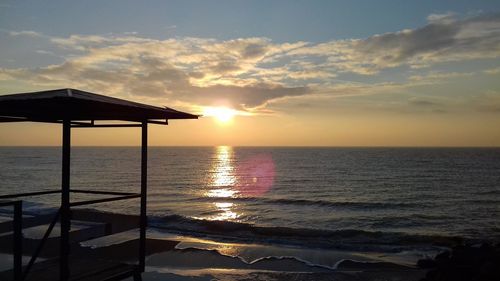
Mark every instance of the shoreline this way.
pixel 182 256
pixel 188 257
pixel 202 256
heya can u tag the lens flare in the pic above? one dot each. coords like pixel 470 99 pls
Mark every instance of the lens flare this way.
pixel 256 175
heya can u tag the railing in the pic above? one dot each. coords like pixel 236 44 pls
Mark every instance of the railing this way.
pixel 17 248
pixel 121 196
pixel 40 245
pixel 19 274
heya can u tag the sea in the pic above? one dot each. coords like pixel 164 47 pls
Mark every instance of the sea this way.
pixel 358 199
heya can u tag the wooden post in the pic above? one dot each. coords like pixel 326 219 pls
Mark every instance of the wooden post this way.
pixel 65 208
pixel 144 193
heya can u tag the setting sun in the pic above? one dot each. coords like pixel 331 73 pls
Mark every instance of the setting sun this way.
pixel 221 114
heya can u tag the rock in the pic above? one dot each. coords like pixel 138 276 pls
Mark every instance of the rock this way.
pixel 464 263
pixel 426 263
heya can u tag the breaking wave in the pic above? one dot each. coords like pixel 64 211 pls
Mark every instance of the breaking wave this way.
pixel 345 239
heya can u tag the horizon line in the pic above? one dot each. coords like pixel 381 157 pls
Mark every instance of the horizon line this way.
pixel 290 146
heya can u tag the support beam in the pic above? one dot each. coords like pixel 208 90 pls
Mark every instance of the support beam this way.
pixel 65 207
pixel 144 189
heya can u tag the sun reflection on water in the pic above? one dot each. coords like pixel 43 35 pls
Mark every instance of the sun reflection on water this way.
pixel 223 167
pixel 222 184
pixel 252 177
pixel 220 192
pixel 226 210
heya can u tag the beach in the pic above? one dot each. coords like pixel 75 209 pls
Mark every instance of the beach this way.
pixel 179 257
pixel 175 257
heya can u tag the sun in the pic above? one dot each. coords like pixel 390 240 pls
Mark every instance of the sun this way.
pixel 221 114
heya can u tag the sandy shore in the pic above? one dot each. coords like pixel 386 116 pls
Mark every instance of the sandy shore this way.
pixel 175 257
pixel 191 258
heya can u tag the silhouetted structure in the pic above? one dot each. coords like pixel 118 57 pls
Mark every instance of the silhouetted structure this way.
pixel 78 109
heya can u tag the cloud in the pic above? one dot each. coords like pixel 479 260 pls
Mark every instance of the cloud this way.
pixel 486 102
pixel 492 71
pixel 252 73
pixel 445 38
pixel 149 77
pixel 445 18
pixel 434 77
pixel 29 33
pixel 419 102
pixel 188 70
pixel 241 97
pixel 84 42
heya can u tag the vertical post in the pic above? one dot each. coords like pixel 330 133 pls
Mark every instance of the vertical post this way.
pixel 18 241
pixel 65 209
pixel 144 189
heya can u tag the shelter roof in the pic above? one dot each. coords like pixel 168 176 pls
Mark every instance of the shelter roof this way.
pixel 77 105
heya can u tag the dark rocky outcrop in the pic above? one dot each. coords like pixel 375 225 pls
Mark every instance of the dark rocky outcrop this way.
pixel 464 263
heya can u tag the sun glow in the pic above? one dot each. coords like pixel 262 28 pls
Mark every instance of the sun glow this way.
pixel 221 114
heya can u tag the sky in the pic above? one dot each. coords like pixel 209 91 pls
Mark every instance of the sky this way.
pixel 265 73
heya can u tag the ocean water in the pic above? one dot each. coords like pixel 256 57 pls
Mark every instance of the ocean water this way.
pixel 324 197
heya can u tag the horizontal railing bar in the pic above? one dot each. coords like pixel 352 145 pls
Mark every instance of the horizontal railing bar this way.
pixel 7 203
pixel 6 196
pixel 81 123
pixel 106 126
pixel 81 203
pixel 101 192
pixel 158 122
